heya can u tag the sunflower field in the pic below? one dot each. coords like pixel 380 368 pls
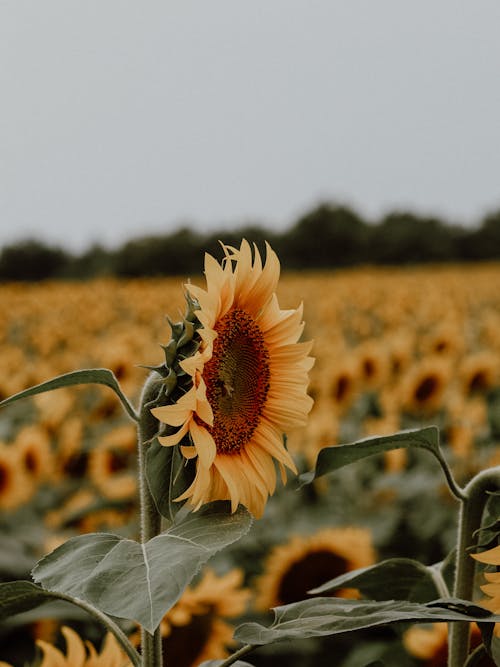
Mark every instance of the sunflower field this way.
pixel 394 349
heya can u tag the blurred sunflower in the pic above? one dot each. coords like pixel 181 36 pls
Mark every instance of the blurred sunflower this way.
pixel 194 629
pixel 424 386
pixel 249 385
pixel 306 562
pixel 373 362
pixel 111 466
pixel 479 373
pixel 429 643
pixel 15 486
pixel 35 453
pixel 344 383
pixel 111 654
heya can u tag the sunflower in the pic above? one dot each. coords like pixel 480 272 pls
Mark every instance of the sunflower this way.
pixel 305 562
pixel 492 587
pixel 429 643
pixel 15 486
pixel 33 445
pixel 76 656
pixel 479 373
pixel 423 389
pixel 194 629
pixel 249 383
pixel 111 463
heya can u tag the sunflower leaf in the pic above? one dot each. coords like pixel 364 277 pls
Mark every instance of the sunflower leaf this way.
pixel 168 474
pixel 217 663
pixel 338 456
pixel 395 578
pixel 21 596
pixel 140 582
pixel 320 617
pixel 86 376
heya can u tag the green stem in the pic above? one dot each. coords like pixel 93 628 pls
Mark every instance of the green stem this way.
pixel 150 518
pixel 237 655
pixel 471 514
pixel 109 623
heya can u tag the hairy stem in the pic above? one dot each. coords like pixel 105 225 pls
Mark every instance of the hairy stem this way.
pixel 471 514
pixel 150 517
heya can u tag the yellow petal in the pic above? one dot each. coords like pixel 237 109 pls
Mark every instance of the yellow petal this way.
pixel 204 443
pixel 175 438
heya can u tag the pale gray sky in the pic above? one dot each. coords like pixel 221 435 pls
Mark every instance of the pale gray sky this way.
pixel 120 117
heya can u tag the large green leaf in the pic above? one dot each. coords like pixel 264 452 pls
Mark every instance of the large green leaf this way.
pixel 18 597
pixel 87 376
pixel 169 474
pixel 217 663
pixel 136 581
pixel 338 456
pixel 319 617
pixel 392 579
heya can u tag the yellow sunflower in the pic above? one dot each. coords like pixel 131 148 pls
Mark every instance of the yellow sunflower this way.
pixel 15 486
pixel 249 383
pixel 33 445
pixel 305 562
pixel 429 643
pixel 110 656
pixel 492 587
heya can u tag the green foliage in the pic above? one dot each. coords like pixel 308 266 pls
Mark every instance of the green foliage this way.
pixel 332 616
pixel 20 596
pixel 328 236
pixel 85 376
pixel 137 581
pixel 168 476
pixel 392 579
pixel 338 456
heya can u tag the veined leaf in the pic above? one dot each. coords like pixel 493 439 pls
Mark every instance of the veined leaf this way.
pixel 392 579
pixel 140 582
pixel 338 456
pixel 87 376
pixel 20 596
pixel 217 663
pixel 23 596
pixel 319 617
pixel 168 474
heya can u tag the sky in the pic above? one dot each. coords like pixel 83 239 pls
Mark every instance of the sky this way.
pixel 120 118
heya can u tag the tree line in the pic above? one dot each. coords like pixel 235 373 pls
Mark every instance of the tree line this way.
pixel 328 236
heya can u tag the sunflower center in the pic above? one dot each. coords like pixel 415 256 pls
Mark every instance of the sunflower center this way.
pixel 4 477
pixel 314 569
pixel 426 389
pixel 237 379
pixel 185 643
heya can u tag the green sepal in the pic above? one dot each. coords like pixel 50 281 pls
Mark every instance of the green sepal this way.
pixel 169 474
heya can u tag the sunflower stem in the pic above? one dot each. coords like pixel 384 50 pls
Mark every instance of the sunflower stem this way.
pixel 471 514
pixel 237 655
pixel 150 517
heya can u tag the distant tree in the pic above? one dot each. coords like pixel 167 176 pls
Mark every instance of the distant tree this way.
pixel 484 242
pixel 174 254
pixel 32 260
pixel 403 237
pixel 328 236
